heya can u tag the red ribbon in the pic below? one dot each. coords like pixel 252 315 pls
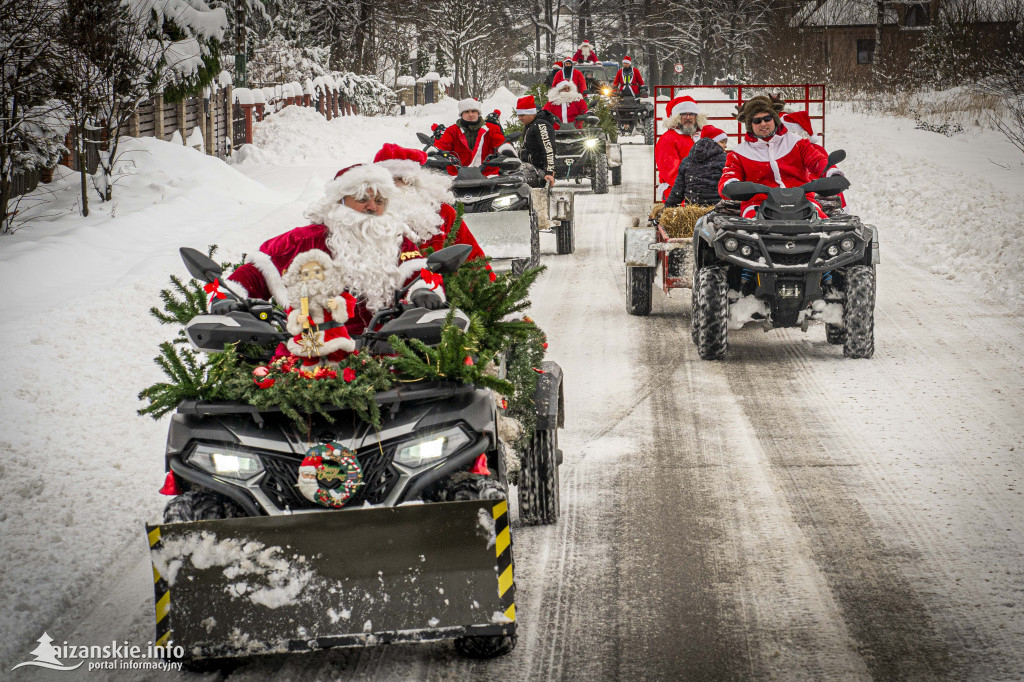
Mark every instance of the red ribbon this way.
pixel 434 280
pixel 214 288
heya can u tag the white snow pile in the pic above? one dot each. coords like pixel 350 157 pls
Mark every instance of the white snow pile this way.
pixel 265 576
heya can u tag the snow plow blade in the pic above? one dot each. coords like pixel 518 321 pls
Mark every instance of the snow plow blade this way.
pixel 302 582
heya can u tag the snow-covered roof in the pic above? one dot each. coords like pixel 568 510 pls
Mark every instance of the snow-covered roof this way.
pixel 405 81
pixel 244 95
pixel 307 87
pixel 430 76
pixel 841 13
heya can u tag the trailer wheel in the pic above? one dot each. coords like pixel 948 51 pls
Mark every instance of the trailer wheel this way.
pixel 649 131
pixel 711 313
pixel 859 312
pixel 538 480
pixel 599 180
pixel 835 334
pixel 639 285
pixel 485 647
pixel 616 176
pixel 200 505
pixel 565 238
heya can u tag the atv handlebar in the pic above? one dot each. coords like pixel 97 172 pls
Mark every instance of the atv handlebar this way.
pixel 743 191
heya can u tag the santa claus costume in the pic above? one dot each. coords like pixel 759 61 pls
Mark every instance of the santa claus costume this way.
pixel 374 253
pixel 628 78
pixel 799 122
pixel 424 200
pixel 566 103
pixel 320 337
pixel 783 159
pixel 676 142
pixel 472 142
pixel 570 73
pixel 585 54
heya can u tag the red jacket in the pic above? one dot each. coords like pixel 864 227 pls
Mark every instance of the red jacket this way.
pixel 488 140
pixel 567 113
pixel 464 236
pixel 261 276
pixel 577 78
pixel 670 151
pixel 618 85
pixel 783 160
pixel 578 57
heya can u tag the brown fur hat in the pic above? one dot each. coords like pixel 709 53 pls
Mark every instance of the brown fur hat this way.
pixel 769 104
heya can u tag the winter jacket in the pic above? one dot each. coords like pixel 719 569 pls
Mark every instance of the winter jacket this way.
pixel 489 139
pixel 573 73
pixel 783 160
pixel 578 58
pixel 630 80
pixel 698 176
pixel 551 77
pixel 669 152
pixel 538 147
pixel 564 111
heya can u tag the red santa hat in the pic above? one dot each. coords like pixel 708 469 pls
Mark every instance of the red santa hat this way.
pixel 626 60
pixel 800 122
pixel 352 181
pixel 526 106
pixel 401 162
pixel 557 65
pixel 682 105
pixel 713 133
pixel 567 62
pixel 468 104
pixel 585 42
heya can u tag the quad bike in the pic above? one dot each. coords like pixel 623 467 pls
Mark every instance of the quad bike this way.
pixel 506 217
pixel 421 550
pixel 633 114
pixel 587 153
pixel 799 268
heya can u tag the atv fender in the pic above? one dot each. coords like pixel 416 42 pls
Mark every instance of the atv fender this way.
pixel 549 398
pixel 703 236
pixel 875 258
pixel 614 155
pixel 637 242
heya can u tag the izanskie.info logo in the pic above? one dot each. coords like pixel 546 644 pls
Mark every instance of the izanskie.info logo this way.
pixel 111 656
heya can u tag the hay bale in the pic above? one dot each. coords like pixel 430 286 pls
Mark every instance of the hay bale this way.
pixel 678 221
pixel 656 211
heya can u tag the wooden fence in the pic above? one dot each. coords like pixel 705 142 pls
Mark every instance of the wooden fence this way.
pixel 225 122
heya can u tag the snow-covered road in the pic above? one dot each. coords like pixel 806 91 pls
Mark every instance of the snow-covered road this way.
pixel 784 513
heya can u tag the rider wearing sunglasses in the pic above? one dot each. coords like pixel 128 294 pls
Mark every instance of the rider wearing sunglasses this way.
pixel 771 155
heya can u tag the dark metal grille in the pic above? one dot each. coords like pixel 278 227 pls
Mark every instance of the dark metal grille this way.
pixel 379 477
pixel 791 258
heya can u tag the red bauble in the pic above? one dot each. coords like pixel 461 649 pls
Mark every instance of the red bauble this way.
pixel 261 371
pixel 258 375
pixel 348 374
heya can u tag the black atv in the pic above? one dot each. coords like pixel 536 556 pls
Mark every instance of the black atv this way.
pixel 633 114
pixel 800 267
pixel 587 153
pixel 421 549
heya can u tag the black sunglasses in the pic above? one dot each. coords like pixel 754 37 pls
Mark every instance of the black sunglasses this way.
pixel 761 119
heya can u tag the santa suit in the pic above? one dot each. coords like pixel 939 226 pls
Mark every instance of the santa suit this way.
pixel 579 58
pixel 334 343
pixel 489 139
pixel 673 146
pixel 564 107
pixel 261 276
pixel 464 236
pixel 783 160
pixel 577 78
pixel 628 81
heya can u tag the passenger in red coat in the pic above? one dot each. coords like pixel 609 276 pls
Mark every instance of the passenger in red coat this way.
pixel 566 103
pixel 424 200
pixel 354 224
pixel 472 138
pixel 771 155
pixel 570 73
pixel 683 128
pixel 585 54
pixel 628 79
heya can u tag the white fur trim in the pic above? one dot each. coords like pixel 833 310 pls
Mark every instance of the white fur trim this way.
pixel 834 170
pixel 662 188
pixel 275 283
pixel 234 287
pixel 795 127
pixel 357 180
pixel 468 104
pixel 335 344
pixel 506 147
pixel 721 137
pixel 294 326
pixel 526 112
pixel 410 268
pixel 420 284
pixel 339 314
pixel 814 139
pixel 627 61
pixel 684 108
pixel 401 168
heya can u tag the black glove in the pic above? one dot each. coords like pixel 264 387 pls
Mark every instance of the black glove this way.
pixel 493 118
pixel 439 131
pixel 508 152
pixel 425 298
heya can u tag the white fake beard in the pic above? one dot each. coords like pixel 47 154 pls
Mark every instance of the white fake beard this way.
pixel 418 213
pixel 318 292
pixel 565 97
pixel 366 248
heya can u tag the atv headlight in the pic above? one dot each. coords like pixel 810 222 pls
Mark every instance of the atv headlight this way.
pixel 591 143
pixel 746 250
pixel 225 462
pixel 606 91
pixel 505 202
pixel 431 448
pixel 847 244
pixel 833 250
pixel 731 244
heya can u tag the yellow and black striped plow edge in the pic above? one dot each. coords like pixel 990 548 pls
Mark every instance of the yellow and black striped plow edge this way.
pixel 163 593
pixel 503 551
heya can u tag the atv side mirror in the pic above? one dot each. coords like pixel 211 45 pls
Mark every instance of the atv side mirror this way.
pixel 590 119
pixel 825 186
pixel 447 260
pixel 741 191
pixel 199 265
pixel 837 156
pixel 512 137
pixel 644 91
pixel 440 161
pixel 425 139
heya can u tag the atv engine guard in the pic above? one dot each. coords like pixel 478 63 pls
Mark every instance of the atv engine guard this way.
pixel 503 234
pixel 301 582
